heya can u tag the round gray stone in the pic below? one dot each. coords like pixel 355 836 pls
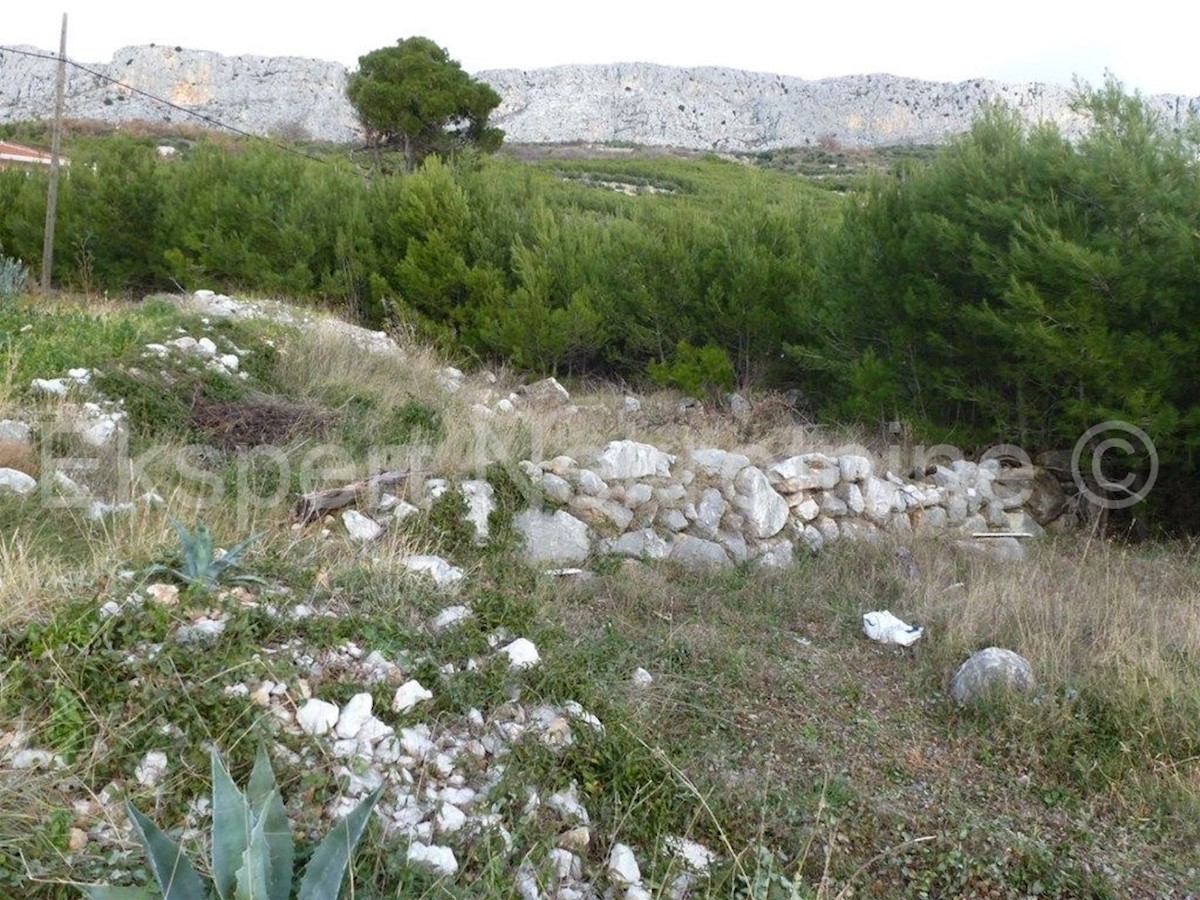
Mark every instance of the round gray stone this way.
pixel 992 670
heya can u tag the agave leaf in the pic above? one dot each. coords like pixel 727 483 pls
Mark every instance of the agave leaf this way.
pixel 267 808
pixel 201 558
pixel 324 872
pixel 234 554
pixel 172 870
pixel 250 579
pixel 262 780
pixel 252 877
pixel 231 829
pixel 159 569
pixel 104 892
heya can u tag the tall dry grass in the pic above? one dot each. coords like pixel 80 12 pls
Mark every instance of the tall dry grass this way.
pixel 1112 632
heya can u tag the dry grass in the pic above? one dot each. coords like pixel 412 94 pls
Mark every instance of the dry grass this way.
pixel 1084 609
pixel 29 585
pixel 329 367
pixel 19 455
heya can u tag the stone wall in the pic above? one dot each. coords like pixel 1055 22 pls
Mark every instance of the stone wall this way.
pixel 715 508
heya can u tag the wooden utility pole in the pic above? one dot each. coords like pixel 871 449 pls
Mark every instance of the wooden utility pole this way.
pixel 55 146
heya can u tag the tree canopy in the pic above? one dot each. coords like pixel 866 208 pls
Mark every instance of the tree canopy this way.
pixel 415 97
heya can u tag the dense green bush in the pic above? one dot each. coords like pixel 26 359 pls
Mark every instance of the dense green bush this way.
pixel 696 370
pixel 546 267
pixel 1022 287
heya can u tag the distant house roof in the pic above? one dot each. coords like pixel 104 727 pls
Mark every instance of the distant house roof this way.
pixel 18 154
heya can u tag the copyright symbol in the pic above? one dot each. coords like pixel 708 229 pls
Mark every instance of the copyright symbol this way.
pixel 1118 494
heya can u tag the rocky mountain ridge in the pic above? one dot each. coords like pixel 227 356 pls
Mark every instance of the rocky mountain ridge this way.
pixel 703 108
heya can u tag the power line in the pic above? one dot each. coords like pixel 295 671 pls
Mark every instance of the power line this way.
pixel 183 109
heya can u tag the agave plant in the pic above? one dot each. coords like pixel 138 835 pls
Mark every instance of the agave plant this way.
pixel 252 849
pixel 200 567
pixel 14 276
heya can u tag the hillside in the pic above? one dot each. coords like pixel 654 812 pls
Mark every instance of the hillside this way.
pixel 610 723
pixel 640 103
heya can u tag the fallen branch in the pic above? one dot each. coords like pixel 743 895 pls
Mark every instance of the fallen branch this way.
pixel 313 505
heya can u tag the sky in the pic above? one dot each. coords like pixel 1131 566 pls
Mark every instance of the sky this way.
pixel 1149 46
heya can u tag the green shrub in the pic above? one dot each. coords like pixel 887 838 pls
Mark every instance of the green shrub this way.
pixel 695 370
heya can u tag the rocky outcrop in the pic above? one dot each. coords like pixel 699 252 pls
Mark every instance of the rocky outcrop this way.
pixel 703 108
pixel 282 95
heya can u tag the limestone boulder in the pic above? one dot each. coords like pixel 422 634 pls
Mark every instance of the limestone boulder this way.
pixel 630 459
pixel 557 539
pixel 764 510
pixel 807 472
pixel 719 463
pixel 698 554
pixel 881 498
pixel 546 394
pixel 988 672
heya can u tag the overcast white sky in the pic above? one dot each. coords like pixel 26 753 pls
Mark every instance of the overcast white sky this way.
pixel 1149 45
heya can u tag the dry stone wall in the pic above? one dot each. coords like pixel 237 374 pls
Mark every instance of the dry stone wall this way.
pixel 712 507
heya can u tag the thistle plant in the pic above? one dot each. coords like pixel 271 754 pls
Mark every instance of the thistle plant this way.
pixel 252 848
pixel 199 565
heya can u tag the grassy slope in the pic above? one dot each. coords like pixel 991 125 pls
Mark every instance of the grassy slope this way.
pixel 773 732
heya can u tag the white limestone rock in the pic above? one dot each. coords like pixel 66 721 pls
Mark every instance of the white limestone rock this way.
pixel 316 717
pixel 409 695
pixel 1023 523
pixel 765 511
pixel 444 574
pixel 807 472
pixel 601 514
pixel 589 482
pixel 557 539
pixel 629 459
pixel 449 617
pixel 555 488
pixel 709 512
pixel 521 654
pixel 645 543
pixel 14 481
pixel 854 469
pixel 51 387
pixel 481 503
pixel 880 499
pixel 13 431
pixel 808 508
pixel 719 464
pixel 695 856
pixel 637 494
pixel 698 554
pixel 623 867
pixel 547 393
pixel 360 527
pixel 353 716
pixel 673 519
pixel 779 555
pixel 434 857
pixel 150 771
